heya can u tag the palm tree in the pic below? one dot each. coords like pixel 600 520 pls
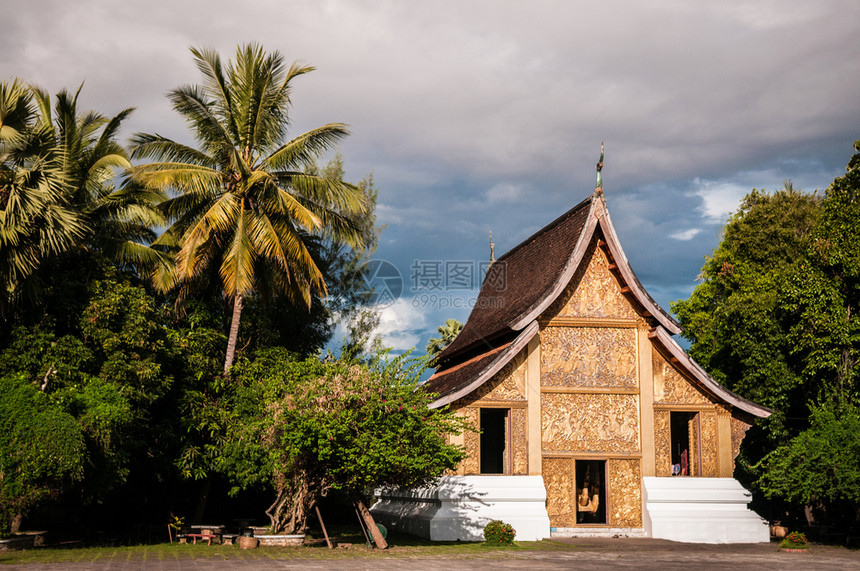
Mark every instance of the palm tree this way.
pixel 448 333
pixel 243 203
pixel 119 221
pixel 35 220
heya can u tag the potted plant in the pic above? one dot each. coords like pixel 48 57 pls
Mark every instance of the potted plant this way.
pixel 794 542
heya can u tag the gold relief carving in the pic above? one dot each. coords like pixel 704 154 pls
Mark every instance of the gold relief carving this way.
pixel 662 444
pixel 519 436
pixel 509 384
pixel 739 430
pixel 671 387
pixel 472 441
pixel 559 476
pixel 593 291
pixel 625 493
pixel 588 357
pixel 590 422
pixel 709 444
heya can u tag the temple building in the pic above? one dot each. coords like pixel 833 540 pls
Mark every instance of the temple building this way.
pixel 591 419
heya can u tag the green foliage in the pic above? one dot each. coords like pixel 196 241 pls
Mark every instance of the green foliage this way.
pixel 307 427
pixel 243 209
pixel 775 320
pixel 447 333
pixel 42 448
pixel 498 531
pixel 822 463
pixel 735 318
pixel 795 540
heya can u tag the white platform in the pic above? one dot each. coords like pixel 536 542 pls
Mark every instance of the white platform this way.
pixel 460 506
pixel 701 510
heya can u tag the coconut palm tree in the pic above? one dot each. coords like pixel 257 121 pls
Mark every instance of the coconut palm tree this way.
pixel 448 332
pixel 35 219
pixel 118 221
pixel 243 203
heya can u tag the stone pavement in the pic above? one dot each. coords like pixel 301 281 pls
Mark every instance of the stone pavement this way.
pixel 588 553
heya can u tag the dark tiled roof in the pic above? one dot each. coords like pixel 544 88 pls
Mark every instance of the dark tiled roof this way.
pixel 450 380
pixel 517 282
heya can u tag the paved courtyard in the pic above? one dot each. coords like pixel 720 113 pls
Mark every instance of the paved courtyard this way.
pixel 585 553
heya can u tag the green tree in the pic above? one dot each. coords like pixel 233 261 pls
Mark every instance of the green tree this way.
pixel 735 320
pixel 447 333
pixel 304 428
pixel 35 219
pixel 244 207
pixel 118 221
pixel 42 450
pixel 822 463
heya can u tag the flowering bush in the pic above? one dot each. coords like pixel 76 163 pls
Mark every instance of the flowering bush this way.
pixel 795 540
pixel 499 532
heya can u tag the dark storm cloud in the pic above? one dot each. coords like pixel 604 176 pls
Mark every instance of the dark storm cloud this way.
pixel 479 116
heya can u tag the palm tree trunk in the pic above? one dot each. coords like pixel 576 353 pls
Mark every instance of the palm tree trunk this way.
pixel 234 334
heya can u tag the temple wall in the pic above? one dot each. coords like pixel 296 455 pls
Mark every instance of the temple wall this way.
pixel 625 492
pixel 590 394
pixel 593 291
pixel 596 357
pixel 589 384
pixel 507 389
pixel 590 423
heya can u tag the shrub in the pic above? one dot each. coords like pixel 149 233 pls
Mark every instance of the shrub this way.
pixel 795 540
pixel 499 532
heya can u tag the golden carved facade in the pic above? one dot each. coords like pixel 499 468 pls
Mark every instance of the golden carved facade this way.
pixel 708 421
pixel 593 291
pixel 662 444
pixel 589 401
pixel 506 388
pixel 559 477
pixel 590 422
pixel 519 441
pixel 625 493
pixel 670 387
pixel 472 441
pixel 588 357
pixel 509 384
pixel 739 429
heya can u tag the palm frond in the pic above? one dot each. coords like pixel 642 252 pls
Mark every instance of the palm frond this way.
pixel 304 149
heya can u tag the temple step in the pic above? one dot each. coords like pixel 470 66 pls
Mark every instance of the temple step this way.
pixel 701 510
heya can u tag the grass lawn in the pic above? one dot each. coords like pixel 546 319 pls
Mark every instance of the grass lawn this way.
pixel 399 547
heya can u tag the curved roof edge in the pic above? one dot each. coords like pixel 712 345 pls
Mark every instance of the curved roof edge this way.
pixel 707 381
pixel 598 215
pixel 566 274
pixel 626 271
pixel 517 345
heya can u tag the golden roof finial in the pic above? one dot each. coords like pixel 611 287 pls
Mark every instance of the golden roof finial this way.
pixel 492 248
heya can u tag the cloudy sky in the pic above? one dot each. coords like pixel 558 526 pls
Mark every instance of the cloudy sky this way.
pixel 479 116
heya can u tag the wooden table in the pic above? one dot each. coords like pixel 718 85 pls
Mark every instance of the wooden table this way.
pixel 207 536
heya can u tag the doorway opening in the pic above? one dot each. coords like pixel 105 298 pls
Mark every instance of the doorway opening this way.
pixel 685 442
pixel 495 440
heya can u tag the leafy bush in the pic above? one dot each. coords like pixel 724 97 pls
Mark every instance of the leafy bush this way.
pixel 795 540
pixel 498 531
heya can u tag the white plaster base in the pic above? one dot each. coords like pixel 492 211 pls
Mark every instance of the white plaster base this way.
pixel 598 532
pixel 701 510
pixel 459 507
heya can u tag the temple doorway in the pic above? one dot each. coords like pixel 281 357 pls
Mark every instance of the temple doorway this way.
pixel 686 443
pixel 495 441
pixel 590 491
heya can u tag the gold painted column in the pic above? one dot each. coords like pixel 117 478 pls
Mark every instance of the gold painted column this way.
pixel 646 402
pixel 725 462
pixel 459 440
pixel 533 398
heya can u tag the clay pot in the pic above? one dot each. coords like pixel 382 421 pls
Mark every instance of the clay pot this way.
pixel 248 542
